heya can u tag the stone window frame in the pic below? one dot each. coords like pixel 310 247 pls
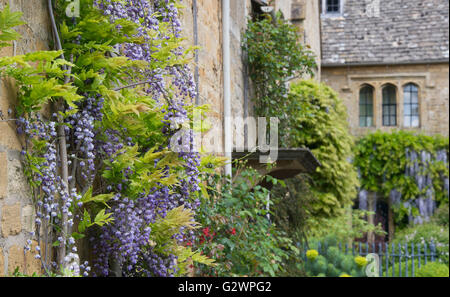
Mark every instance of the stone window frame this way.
pixel 419 113
pixel 372 123
pixel 390 114
pixel 355 81
pixel 327 14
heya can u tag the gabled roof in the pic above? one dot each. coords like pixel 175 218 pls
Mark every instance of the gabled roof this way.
pixel 413 31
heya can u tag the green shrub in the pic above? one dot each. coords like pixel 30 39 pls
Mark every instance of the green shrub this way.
pixel 333 262
pixel 433 269
pixel 320 124
pixel 441 216
pixel 426 234
pixel 340 226
pixel 236 232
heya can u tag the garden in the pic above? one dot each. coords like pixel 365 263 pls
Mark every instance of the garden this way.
pixel 113 194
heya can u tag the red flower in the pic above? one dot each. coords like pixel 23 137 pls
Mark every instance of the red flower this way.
pixel 206 231
pixel 233 231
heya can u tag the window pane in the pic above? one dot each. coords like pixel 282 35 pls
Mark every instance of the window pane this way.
pixel 393 121
pixel 392 99
pixel 411 106
pixel 407 98
pixel 362 122
pixel 363 100
pixel 370 110
pixel 414 97
pixel 415 110
pixel 369 122
pixel 407 121
pixel 407 109
pixel 362 111
pixel 392 110
pixel 415 122
pixel 332 5
pixel 365 106
pixel 389 106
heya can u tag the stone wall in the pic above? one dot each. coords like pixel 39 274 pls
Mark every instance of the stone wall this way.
pixel 209 67
pixel 432 79
pixel 16 210
pixel 303 13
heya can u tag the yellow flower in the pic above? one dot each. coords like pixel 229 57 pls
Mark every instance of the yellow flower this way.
pixel 312 254
pixel 361 261
pixel 345 275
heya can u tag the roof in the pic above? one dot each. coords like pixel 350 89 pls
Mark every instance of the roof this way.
pixel 399 32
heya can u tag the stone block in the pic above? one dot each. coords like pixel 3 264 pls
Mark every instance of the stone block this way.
pixel 16 259
pixel 3 175
pixel 11 220
pixel 2 263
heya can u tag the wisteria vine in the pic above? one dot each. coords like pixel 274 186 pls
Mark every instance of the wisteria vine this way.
pixel 84 84
pixel 128 237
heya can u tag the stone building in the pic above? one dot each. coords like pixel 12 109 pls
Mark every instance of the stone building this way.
pixel 389 62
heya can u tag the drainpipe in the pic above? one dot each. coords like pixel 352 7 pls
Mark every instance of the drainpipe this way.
pixel 228 146
pixel 196 72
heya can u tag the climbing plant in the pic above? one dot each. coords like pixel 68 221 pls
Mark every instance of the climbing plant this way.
pixel 275 57
pixel 321 125
pixel 101 117
pixel 408 168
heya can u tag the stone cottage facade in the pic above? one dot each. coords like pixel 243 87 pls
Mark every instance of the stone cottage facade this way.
pixel 388 60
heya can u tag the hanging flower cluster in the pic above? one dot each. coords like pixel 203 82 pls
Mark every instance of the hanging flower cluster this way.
pixel 127 238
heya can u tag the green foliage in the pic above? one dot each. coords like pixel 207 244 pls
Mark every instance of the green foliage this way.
pixel 433 269
pixel 346 227
pixel 381 159
pixel 441 216
pixel 321 125
pixel 292 205
pixel 237 233
pixel 164 242
pixel 274 57
pixel 333 262
pixel 9 20
pixel 426 234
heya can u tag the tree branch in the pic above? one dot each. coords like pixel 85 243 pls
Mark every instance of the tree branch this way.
pixel 62 145
pixel 132 85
